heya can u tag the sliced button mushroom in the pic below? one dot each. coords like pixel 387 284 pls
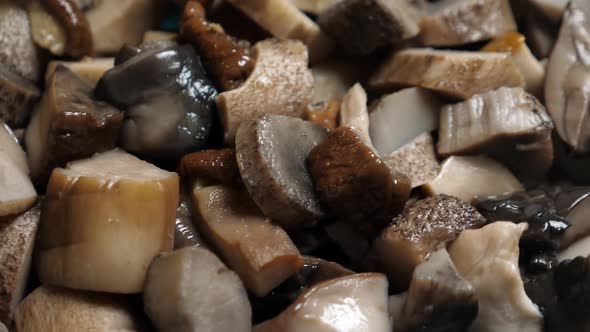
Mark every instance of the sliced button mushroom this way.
pixel 507 124
pixel 488 258
pixel 468 21
pixel 17 97
pixel 90 69
pixel 58 309
pixel 568 78
pixel 352 303
pixel 272 154
pixel 103 221
pixel 258 251
pixel 17 238
pixel 280 83
pixel 391 22
pixel 469 178
pixel 420 229
pixel 69 125
pixel 192 290
pixel 456 74
pixel 10 148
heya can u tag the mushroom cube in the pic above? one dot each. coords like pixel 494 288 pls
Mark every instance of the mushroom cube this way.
pixel 90 69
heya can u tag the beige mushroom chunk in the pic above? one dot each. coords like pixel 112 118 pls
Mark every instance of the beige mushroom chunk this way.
pixel 10 148
pixel 114 23
pixel 104 219
pixel 488 258
pixel 417 160
pixel 55 309
pixel 90 69
pixel 17 238
pixel 191 290
pixel 352 303
pixel 578 216
pixel 333 78
pixel 552 9
pixel 17 193
pixel 579 248
pixel 354 113
pixel 507 124
pixel 258 251
pixel 314 6
pixel 3 328
pixel 283 20
pixel 468 21
pixel 17 97
pixel 47 31
pixel 469 178
pixel 456 74
pixel 280 83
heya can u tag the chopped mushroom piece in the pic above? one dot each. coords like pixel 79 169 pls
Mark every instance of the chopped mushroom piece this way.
pixel 272 154
pixel 156 35
pixel 574 205
pixel 69 125
pixel 333 78
pixel 258 251
pixel 468 21
pixel 17 193
pixel 216 165
pixel 50 308
pixel 120 214
pixel 568 78
pixel 90 69
pixel 488 258
pixel 422 228
pixel 417 160
pixel 354 113
pixel 185 234
pixel 456 74
pixel 323 113
pixel 507 124
pixel 17 238
pixel 553 9
pixel 323 270
pixel 351 303
pixel 287 88
pixel 314 7
pixel 283 20
pixel 17 97
pixel 192 290
pixel 469 178
pixel 3 328
pixel 11 149
pixel 46 30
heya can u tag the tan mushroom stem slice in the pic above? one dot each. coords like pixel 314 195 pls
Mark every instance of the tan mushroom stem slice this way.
pixel 50 308
pixel 258 251
pixel 391 22
pixel 354 113
pixel 17 97
pixel 333 78
pixel 10 148
pixel 471 177
pixel 314 6
pixel 417 160
pixel 104 219
pixel 466 22
pixel 488 258
pixel 456 74
pixel 553 9
pixel 192 290
pixel 280 83
pixel 507 124
pixel 114 23
pixel 47 31
pixel 17 193
pixel 422 228
pixel 90 69
pixel 397 118
pixel 283 20
pixel 567 86
pixel 352 303
pixel 17 238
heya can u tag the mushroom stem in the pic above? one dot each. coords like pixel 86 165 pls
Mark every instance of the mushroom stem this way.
pixel 79 36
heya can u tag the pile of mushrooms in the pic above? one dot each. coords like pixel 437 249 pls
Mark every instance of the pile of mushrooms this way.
pixel 294 165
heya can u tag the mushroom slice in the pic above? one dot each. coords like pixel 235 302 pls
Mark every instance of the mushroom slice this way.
pixel 69 125
pixel 532 70
pixel 99 208
pixel 456 74
pixel 283 20
pixel 215 165
pixel 578 248
pixel 420 229
pixel 391 22
pixel 10 148
pixel 333 78
pixel 552 9
pixel 469 178
pixel 353 183
pixel 261 253
pixel 90 69
pixel 50 308
pixel 469 21
pixel 287 88
pixel 351 303
pixel 272 154
pixel 417 160
pixel 438 299
pixel 507 124
pixel 488 258
pixel 46 30
pixel 17 193
pixel 354 113
pixel 568 78
pixel 192 290
pixel 17 238
pixel 397 118
pixel 17 97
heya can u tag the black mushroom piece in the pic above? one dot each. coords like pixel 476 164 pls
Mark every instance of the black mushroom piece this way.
pixel 272 153
pixel 167 100
pixel 17 97
pixel 353 183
